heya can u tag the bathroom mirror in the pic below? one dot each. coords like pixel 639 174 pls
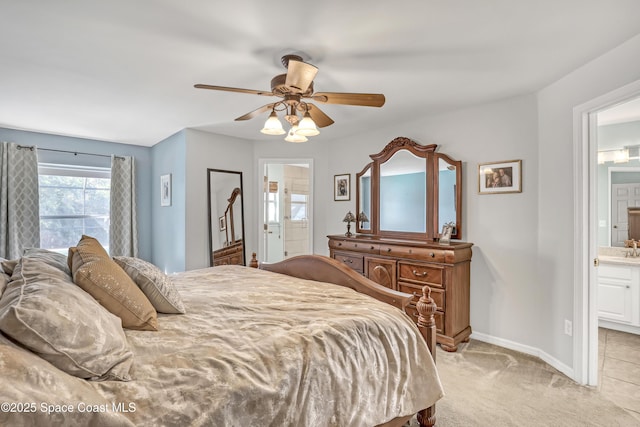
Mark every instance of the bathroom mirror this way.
pixel 410 191
pixel 226 217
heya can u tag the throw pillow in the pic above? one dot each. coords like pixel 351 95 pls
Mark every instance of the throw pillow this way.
pixel 43 310
pixel 95 272
pixel 154 283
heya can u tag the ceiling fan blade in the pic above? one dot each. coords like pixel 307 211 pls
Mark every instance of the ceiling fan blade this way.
pixel 234 89
pixel 300 75
pixel 362 99
pixel 255 112
pixel 319 117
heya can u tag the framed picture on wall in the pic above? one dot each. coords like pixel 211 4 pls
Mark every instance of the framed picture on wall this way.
pixel 500 177
pixel 342 187
pixel 222 223
pixel 165 190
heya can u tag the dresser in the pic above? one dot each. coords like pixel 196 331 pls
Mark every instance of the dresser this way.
pixel 406 266
pixel 229 255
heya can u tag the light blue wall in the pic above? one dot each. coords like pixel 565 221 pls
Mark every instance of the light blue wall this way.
pixel 142 160
pixel 169 222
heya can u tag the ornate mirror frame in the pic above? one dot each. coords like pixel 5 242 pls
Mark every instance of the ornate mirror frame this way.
pixel 370 176
pixel 226 217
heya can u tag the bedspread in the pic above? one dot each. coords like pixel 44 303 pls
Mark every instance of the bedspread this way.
pixel 257 348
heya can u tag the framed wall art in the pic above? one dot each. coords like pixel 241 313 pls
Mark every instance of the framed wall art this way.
pixel 165 190
pixel 500 177
pixel 342 187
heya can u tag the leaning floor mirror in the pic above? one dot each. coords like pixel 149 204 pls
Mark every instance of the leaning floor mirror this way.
pixel 226 217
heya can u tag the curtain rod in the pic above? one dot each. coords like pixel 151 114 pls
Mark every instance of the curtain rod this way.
pixel 75 153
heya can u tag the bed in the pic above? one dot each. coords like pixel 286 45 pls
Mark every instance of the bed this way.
pixel 254 346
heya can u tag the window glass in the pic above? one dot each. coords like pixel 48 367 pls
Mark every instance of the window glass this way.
pixel 299 207
pixel 73 201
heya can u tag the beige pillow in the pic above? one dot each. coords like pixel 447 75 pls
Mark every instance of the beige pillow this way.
pixel 47 313
pixel 4 279
pixel 31 381
pixel 156 285
pixel 8 265
pixel 95 272
pixel 54 259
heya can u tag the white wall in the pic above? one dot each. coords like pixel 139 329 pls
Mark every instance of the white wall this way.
pixel 505 297
pixel 209 151
pixel 612 70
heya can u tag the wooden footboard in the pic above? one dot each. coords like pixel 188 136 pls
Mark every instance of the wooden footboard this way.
pixel 325 269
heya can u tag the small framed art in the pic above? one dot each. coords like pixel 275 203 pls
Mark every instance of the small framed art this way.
pixel 222 223
pixel 342 187
pixel 165 190
pixel 500 177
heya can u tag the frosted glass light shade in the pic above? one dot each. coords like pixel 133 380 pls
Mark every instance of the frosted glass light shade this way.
pixel 307 126
pixel 293 136
pixel 273 126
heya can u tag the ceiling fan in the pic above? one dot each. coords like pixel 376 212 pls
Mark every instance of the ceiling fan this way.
pixel 294 87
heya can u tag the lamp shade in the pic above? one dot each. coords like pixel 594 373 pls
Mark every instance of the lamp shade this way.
pixel 273 126
pixel 362 217
pixel 292 136
pixel 307 127
pixel 349 217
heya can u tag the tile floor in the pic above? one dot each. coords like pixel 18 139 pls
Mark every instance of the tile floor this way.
pixel 619 377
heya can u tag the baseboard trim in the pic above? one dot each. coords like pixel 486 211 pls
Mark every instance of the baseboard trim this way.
pixel 533 351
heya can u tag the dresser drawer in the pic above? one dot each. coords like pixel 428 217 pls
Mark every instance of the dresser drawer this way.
pixel 431 255
pixel 353 261
pixel 428 274
pixel 362 246
pixel 437 294
pixel 412 311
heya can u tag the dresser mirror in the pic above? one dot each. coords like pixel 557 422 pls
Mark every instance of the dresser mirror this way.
pixel 226 217
pixel 410 191
pixel 363 200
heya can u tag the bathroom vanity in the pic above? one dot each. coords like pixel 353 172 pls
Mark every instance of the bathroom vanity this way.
pixel 619 291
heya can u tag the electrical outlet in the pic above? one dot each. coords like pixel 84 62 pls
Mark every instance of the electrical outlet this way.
pixel 568 327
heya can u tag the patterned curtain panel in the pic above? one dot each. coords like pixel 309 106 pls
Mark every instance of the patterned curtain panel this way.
pixel 19 203
pixel 123 231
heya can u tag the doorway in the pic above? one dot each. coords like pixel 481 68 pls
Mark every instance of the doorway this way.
pixel 588 227
pixel 286 207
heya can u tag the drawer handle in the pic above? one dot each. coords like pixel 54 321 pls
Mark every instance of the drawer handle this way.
pixel 432 255
pixel 373 247
pixel 350 261
pixel 355 246
pixel 388 249
pixel 418 274
pixel 339 243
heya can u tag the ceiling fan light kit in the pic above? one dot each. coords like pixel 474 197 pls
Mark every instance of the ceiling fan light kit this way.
pixel 293 86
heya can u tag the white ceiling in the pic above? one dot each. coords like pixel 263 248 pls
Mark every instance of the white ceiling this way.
pixel 124 70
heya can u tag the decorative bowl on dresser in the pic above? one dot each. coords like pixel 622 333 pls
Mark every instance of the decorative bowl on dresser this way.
pixel 409 192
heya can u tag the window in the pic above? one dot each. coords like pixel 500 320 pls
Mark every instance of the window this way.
pixel 299 207
pixel 74 200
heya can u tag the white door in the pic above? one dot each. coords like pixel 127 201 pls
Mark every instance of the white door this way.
pixel 286 209
pixel 622 197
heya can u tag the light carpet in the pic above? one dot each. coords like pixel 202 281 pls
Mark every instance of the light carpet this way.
pixel 487 385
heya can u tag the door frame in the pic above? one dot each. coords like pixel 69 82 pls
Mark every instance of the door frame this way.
pixel 585 161
pixel 260 186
